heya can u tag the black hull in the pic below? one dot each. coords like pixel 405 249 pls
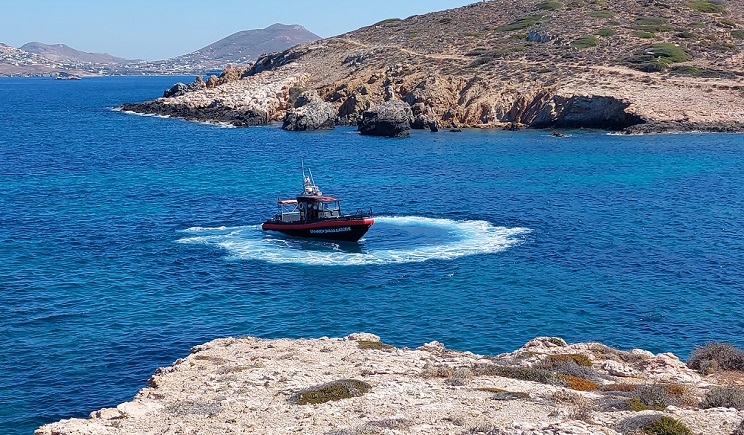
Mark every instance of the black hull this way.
pixel 338 230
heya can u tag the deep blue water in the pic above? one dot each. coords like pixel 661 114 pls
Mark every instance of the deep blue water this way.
pixel 125 240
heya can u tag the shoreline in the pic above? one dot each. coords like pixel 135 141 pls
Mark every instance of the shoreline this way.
pixel 236 118
pixel 359 385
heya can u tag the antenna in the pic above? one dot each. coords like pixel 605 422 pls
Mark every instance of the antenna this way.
pixel 312 180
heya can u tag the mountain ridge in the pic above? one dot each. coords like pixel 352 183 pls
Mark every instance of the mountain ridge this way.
pixel 240 48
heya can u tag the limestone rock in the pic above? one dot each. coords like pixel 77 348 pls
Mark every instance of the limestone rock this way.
pixel 246 385
pixel 390 119
pixel 310 113
pixel 585 112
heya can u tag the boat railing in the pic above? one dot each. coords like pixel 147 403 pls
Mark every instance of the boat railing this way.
pixel 360 212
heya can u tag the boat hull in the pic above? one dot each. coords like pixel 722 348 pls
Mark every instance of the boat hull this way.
pixel 341 229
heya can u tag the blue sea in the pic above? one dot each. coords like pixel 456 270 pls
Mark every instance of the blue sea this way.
pixel 125 240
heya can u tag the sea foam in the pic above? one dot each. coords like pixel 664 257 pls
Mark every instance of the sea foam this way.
pixel 392 240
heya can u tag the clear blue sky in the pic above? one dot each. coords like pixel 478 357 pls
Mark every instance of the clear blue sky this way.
pixel 159 29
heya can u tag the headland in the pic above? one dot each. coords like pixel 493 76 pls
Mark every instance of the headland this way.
pixel 638 65
pixel 360 385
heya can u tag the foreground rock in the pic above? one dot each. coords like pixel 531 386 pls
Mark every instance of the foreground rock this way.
pixel 390 119
pixel 310 113
pixel 357 385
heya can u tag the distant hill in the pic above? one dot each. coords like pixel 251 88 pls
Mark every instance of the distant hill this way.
pixel 65 54
pixel 248 45
pixel 39 59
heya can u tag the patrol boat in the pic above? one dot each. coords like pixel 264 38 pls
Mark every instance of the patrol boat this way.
pixel 317 216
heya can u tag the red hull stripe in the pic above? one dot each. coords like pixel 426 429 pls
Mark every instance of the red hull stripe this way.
pixel 333 224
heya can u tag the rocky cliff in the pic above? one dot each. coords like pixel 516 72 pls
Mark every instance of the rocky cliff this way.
pixel 677 64
pixel 359 385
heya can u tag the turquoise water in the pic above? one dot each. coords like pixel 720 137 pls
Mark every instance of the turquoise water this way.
pixel 125 240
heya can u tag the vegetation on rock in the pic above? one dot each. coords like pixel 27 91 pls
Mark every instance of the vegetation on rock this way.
pixel 667 426
pixel 336 390
pixel 706 6
pixel 724 397
pixel 713 357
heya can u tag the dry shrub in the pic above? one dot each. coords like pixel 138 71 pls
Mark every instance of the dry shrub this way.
pixel 724 397
pixel 622 388
pixel 460 376
pixel 515 372
pixel 579 359
pixel 580 408
pixel 436 371
pixel 716 356
pixel 579 384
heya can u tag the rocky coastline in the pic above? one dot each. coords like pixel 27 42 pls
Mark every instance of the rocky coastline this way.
pixel 633 66
pixel 360 385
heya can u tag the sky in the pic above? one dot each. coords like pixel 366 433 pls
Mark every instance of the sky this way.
pixel 160 29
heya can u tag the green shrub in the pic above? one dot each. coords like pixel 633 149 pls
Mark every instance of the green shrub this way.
pixel 389 22
pixel 666 426
pixel 684 34
pixel 716 356
pixel 656 396
pixel 652 24
pixel 377 345
pixel 445 21
pixel 602 14
pixel 657 57
pixel 738 34
pixel 636 405
pixel 705 6
pixel 336 390
pixel 522 23
pixel 585 42
pixel 606 32
pixel 643 34
pixel 550 5
pixel 723 22
pixel 723 397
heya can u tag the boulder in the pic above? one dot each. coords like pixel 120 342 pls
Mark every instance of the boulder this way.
pixel 390 119
pixel 310 113
pixel 180 89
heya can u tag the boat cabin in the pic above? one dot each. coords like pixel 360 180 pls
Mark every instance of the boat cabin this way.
pixel 309 208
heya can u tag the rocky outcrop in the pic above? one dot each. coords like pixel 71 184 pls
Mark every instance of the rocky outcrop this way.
pixel 390 119
pixel 358 384
pixel 181 89
pixel 242 102
pixel 310 113
pixel 585 112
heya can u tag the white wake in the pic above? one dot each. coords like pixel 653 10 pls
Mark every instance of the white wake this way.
pixel 391 240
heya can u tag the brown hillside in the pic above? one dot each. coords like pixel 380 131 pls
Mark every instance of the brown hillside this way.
pixel 542 63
